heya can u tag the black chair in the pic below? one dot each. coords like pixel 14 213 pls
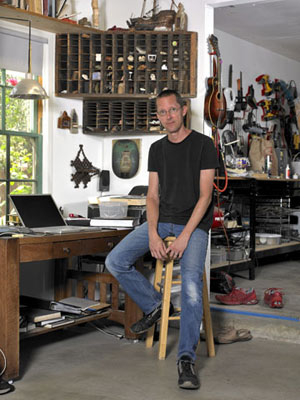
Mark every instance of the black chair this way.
pixel 139 191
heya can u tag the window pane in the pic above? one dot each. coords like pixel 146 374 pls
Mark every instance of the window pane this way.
pixel 23 158
pixel 19 188
pixel 13 77
pixel 0 107
pixel 2 157
pixel 22 188
pixel 2 203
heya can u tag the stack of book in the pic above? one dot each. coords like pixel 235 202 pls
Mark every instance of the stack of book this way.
pixel 31 318
pixel 36 312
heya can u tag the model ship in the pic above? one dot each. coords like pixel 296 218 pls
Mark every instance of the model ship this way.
pixel 162 20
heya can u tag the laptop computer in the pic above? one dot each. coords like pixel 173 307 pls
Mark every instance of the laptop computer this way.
pixel 40 213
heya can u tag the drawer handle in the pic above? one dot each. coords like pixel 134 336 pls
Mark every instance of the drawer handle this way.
pixel 66 250
pixel 110 245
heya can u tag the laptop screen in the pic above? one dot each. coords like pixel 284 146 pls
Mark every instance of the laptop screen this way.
pixel 37 210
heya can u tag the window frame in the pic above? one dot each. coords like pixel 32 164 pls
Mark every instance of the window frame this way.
pixel 36 135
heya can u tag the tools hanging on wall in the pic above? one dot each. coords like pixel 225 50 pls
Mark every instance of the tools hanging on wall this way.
pixel 253 137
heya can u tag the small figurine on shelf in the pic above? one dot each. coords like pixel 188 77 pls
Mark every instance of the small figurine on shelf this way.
pixel 74 122
pixel 64 121
pixel 180 19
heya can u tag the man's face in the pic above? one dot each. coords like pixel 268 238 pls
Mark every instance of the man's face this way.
pixel 170 113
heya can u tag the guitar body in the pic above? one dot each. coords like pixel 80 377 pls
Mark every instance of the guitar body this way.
pixel 215 105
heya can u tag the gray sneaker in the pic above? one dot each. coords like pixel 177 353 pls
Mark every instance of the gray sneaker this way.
pixel 187 378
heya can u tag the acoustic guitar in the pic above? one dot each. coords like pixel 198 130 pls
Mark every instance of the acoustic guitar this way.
pixel 215 101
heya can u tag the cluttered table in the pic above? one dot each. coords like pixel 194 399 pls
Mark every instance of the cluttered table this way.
pixel 17 250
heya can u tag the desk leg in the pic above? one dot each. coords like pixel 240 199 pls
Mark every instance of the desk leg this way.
pixel 60 278
pixel 9 306
pixel 132 312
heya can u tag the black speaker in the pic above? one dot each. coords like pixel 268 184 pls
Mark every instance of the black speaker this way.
pixel 104 181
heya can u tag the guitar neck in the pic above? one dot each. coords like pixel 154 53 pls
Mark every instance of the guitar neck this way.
pixel 219 63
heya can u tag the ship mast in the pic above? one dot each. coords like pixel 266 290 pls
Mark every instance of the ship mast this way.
pixel 154 7
pixel 143 9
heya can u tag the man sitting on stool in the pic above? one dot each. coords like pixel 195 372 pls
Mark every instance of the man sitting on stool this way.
pixel 181 169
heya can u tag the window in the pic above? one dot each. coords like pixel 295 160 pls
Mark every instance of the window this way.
pixel 20 144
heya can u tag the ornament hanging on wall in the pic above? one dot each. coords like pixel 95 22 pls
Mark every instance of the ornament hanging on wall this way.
pixel 84 169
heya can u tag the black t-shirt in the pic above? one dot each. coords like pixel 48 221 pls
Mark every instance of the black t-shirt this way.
pixel 179 166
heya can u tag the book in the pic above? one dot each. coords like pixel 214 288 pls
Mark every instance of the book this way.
pixel 51 321
pixel 38 315
pixel 38 6
pixel 59 323
pixel 52 8
pixel 77 305
pixel 126 222
pixel 45 7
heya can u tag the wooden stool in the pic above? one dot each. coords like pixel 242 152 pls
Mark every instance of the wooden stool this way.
pixel 165 318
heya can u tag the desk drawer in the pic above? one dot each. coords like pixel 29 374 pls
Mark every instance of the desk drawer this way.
pixel 99 245
pixel 36 252
pixel 67 249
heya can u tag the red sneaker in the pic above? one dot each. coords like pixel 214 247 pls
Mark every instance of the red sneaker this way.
pixel 273 297
pixel 238 296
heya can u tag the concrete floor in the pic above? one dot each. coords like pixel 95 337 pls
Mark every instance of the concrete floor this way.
pixel 84 363
pixel 279 324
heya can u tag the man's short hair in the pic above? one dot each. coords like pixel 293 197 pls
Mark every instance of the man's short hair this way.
pixel 170 92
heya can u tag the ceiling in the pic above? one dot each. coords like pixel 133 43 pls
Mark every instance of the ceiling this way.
pixel 273 24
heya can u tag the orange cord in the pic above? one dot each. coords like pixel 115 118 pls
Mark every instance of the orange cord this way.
pixel 216 142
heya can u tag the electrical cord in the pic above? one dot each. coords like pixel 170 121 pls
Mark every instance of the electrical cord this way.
pixel 107 331
pixel 5 387
pixel 4 358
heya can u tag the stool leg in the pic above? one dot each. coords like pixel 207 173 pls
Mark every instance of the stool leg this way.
pixel 157 280
pixel 207 320
pixel 163 333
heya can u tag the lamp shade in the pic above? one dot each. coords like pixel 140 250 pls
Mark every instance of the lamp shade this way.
pixel 29 89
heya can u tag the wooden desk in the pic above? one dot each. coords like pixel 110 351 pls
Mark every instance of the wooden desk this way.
pixel 14 251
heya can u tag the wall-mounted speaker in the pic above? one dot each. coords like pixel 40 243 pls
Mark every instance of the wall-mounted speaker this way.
pixel 104 181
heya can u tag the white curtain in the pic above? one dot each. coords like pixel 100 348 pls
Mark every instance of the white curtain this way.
pixel 14 51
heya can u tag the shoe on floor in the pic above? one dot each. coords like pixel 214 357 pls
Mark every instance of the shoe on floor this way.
pixel 273 297
pixel 238 296
pixel 229 334
pixel 187 378
pixel 148 320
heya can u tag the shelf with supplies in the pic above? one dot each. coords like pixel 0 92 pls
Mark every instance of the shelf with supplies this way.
pixel 255 200
pixel 125 63
pixel 42 22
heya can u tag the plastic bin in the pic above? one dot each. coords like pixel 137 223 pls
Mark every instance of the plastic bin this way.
pixel 113 209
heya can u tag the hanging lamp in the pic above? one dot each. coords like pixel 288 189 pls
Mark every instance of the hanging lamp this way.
pixel 28 88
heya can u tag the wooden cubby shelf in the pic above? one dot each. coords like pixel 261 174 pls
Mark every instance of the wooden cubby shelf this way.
pixel 125 63
pixel 123 116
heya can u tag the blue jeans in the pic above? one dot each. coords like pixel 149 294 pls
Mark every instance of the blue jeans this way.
pixel 120 262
